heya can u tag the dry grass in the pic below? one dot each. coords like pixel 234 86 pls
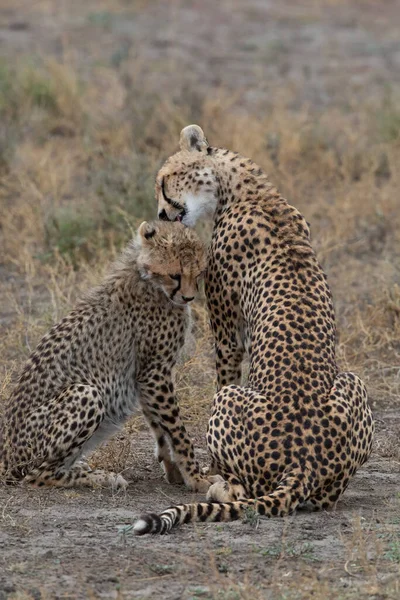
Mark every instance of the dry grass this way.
pixel 78 176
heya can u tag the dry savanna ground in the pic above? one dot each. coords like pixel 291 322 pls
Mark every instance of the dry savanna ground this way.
pixel 92 99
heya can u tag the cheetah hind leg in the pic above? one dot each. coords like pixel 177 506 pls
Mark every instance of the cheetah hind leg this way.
pixel 76 476
pixel 76 421
pixel 349 391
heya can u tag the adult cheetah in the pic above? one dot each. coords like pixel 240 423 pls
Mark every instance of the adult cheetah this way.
pixel 299 429
pixel 114 352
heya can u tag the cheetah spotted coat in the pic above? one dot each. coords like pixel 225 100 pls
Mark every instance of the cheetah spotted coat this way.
pixel 297 431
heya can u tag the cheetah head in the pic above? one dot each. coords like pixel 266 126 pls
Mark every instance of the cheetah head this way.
pixel 186 185
pixel 173 257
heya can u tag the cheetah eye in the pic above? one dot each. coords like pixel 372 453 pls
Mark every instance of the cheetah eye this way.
pixel 177 276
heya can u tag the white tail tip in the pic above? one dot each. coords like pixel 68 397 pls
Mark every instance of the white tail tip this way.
pixel 140 527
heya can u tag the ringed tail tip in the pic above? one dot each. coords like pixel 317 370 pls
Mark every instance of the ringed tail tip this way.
pixel 150 523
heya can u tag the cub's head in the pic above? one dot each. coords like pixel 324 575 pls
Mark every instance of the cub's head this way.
pixel 173 257
pixel 186 185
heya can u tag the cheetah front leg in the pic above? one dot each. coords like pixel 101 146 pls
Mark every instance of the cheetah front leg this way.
pixel 228 336
pixel 163 452
pixel 229 359
pixel 161 408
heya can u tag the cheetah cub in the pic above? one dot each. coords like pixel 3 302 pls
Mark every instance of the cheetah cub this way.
pixel 114 352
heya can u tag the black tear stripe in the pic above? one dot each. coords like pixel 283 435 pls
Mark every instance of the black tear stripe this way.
pixel 169 201
pixel 177 288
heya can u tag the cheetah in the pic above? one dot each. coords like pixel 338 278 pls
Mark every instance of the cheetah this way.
pixel 299 429
pixel 115 352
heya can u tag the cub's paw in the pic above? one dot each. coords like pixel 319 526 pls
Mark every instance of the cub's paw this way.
pixel 119 482
pixel 108 479
pixel 84 465
pixel 172 472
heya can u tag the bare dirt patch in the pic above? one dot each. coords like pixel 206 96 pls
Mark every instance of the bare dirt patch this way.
pixel 77 544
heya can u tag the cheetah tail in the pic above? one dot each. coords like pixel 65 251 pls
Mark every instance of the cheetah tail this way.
pixel 282 501
pixel 188 513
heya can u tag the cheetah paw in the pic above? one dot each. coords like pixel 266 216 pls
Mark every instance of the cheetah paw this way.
pixel 215 478
pixel 201 485
pixel 172 473
pixel 118 482
pixel 219 491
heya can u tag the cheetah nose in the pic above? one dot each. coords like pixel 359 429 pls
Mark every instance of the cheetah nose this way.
pixel 186 299
pixel 163 215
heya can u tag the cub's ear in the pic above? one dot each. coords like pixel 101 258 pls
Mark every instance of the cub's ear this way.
pixel 146 231
pixel 193 139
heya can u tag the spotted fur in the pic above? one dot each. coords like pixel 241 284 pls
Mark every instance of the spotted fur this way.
pixel 299 429
pixel 113 353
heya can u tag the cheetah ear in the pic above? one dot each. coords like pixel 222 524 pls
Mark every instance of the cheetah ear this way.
pixel 146 231
pixel 193 139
